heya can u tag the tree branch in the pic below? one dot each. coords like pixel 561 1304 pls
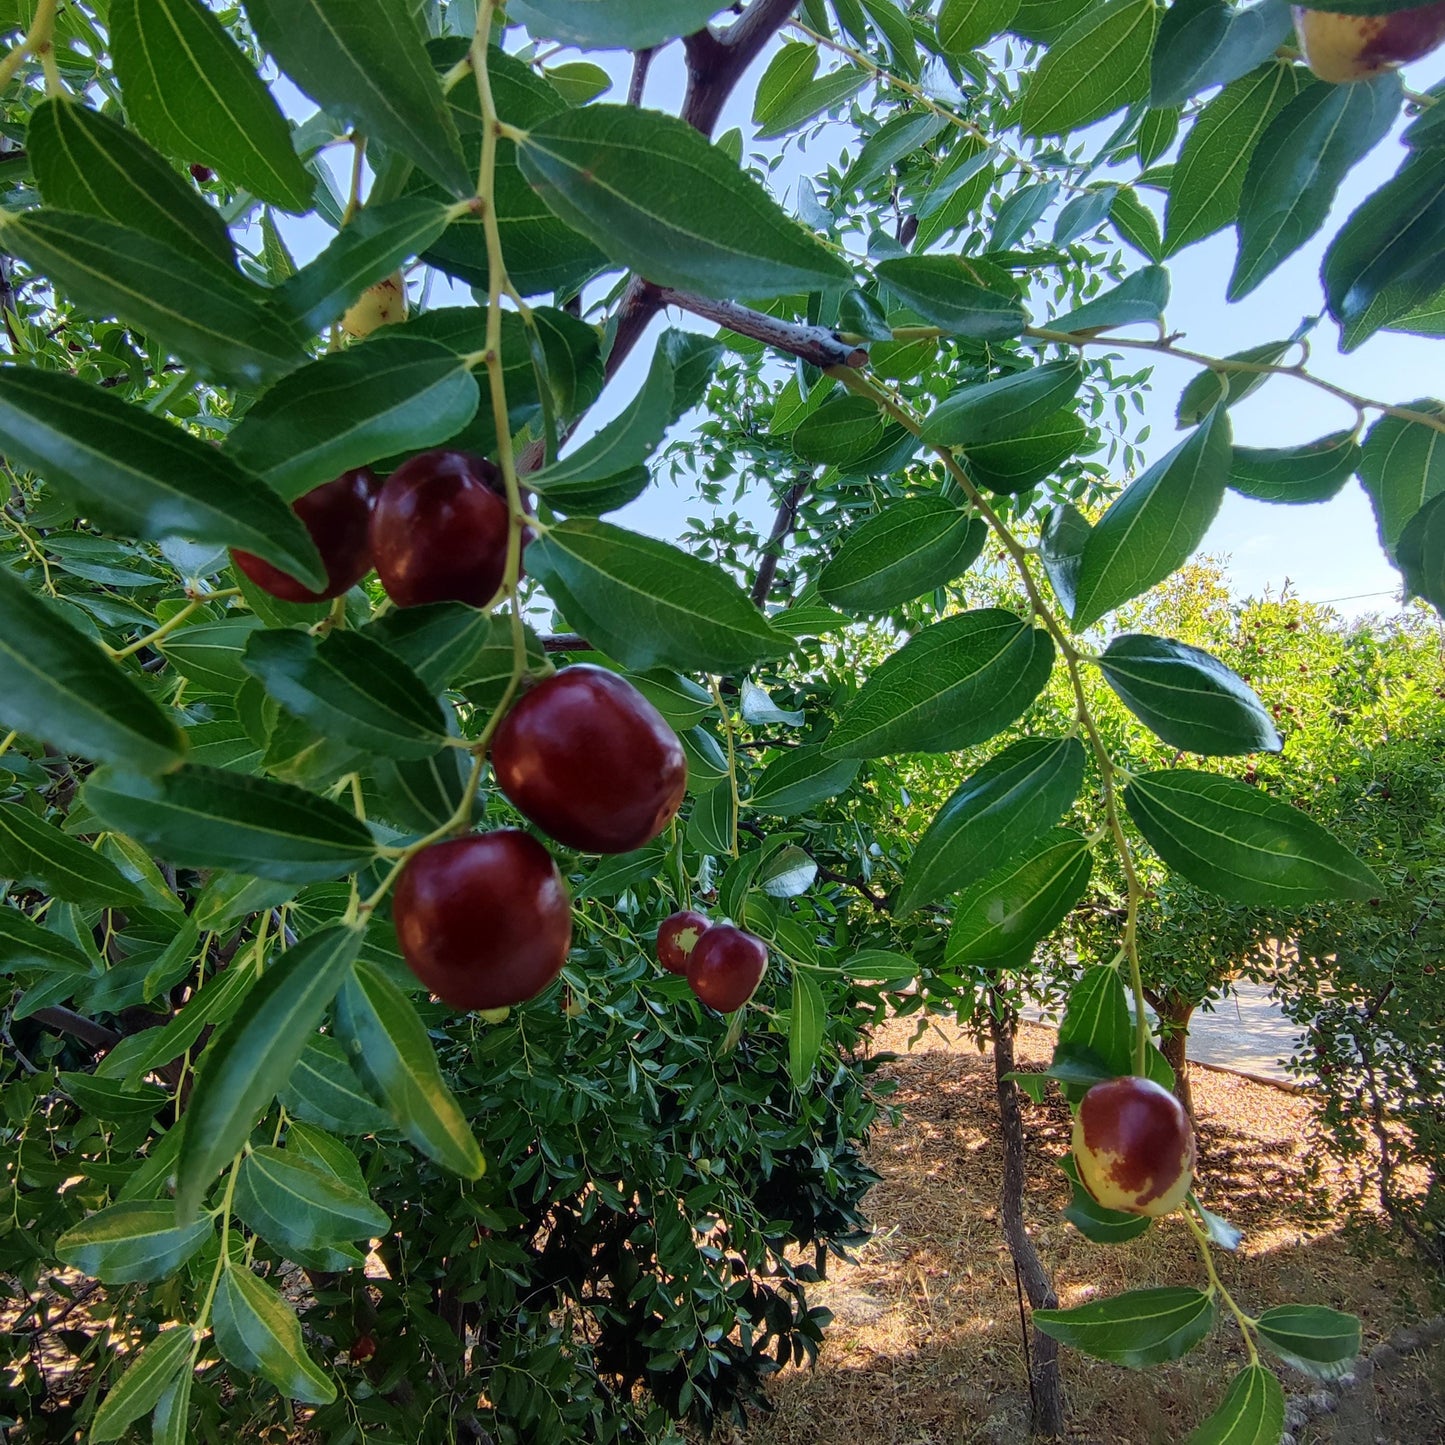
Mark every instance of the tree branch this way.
pixel 772 549
pixel 566 642
pixel 67 1021
pixel 815 344
pixel 641 63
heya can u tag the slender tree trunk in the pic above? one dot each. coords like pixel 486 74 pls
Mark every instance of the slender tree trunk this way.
pixel 1046 1390
pixel 1174 1014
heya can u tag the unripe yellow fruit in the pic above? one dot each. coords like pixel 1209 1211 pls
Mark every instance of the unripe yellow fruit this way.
pixel 1342 48
pixel 377 306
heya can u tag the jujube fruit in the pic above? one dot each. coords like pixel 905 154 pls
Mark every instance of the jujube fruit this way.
pixel 677 936
pixel 439 530
pixel 338 517
pixel 203 174
pixel 590 761
pixel 377 306
pixel 1134 1147
pixel 1342 48
pixel 726 967
pixel 483 921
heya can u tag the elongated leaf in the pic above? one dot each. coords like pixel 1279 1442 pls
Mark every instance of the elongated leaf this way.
pixel 209 654
pixel 1016 465
pixel 788 96
pixel 911 547
pixel 146 1380
pixel 1097 1023
pixel 324 1089
pixel 1252 1412
pixel 996 813
pixel 955 294
pixel 787 873
pixel 840 433
pixel 206 817
pixel 633 181
pixel 598 25
pixel 1207 42
pixel 1420 553
pixel 1083 213
pixel 36 854
pixel 25 945
pixel 1160 519
pixel 439 641
pixel 192 93
pixel 1309 148
pixel 1227 388
pixel 252 1057
pixel 1322 1342
pixel 1092 1220
pixel 1187 697
pixel 889 144
pixel 1140 1328
pixel 1239 842
pixel 964 25
pixel 57 684
pixel 85 161
pixel 131 1243
pixel 364 60
pixel 258 1332
pixel 1021 210
pixel 1314 472
pixel 171 1422
pixel 807 1028
pixel 799 780
pixel 388 1046
pixel 1402 467
pixel 1005 408
pixel 1137 299
pixel 998 920
pixel 1137 224
pixel 648 604
pixel 955 683
pixel 296 1205
pixel 215 320
pixel 1061 550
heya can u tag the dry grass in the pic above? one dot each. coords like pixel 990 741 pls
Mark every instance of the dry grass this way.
pixel 926 1348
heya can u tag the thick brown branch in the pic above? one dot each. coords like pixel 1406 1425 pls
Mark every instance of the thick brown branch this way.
pixel 641 64
pixel 783 524
pixel 815 344
pixel 67 1021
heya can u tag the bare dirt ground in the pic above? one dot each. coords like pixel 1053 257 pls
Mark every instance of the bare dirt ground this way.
pixel 926 1348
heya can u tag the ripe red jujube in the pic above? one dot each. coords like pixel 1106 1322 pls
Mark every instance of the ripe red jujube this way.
pixel 677 936
pixel 484 921
pixel 439 530
pixel 590 761
pixel 338 517
pixel 726 967
pixel 1134 1146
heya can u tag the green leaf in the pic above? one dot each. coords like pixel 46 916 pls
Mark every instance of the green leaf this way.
pixel 1252 1412
pixel 258 1332
pixel 1044 21
pixel 191 92
pixel 1082 214
pixel 840 432
pixel 1140 1328
pixel 1137 224
pixel 956 295
pixel 1092 1220
pixel 1309 148
pixel 788 96
pixel 324 1089
pixel 110 1101
pixel 711 827
pixel 1152 528
pixel 57 684
pixel 648 604
pixel 85 161
pixel 251 1058
pixel 911 547
pixel 1097 66
pixel 1008 804
pixel 807 1028
pixel 150 1374
pixel 578 81
pixel 388 1046
pixel 1240 843
pixel 364 61
pixel 204 817
pixel 897 34
pixel 210 653
pixel 351 688
pixel 1420 553
pixel 1187 697
pixel 1322 1342
pixel 296 1206
pixel 36 854
pixel 800 779
pixel 787 873
pixel 1402 467
pixel 1208 42
pixel 316 1146
pixel 1138 299
pixel 634 181
pixel 903 136
pixel 999 919
pixel 1208 178
pixel 953 684
pixel 1314 472
pixel 132 1243
pixel 1004 409
pixel 1016 465
pixel 1020 211
pixel 1061 550
pixel 439 641
pixel 1097 1022
pixel 1211 388
pixel 25 945
pixel 367 250
pixel 215 320
pixel 138 474
pixel 171 1423
pixel 598 25
pixel 964 25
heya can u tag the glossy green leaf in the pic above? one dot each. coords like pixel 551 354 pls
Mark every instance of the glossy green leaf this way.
pixel 191 92
pixel 839 432
pixel 964 25
pixel 1083 213
pixel 712 824
pixel 787 873
pixel 249 1060
pixel 578 81
pixel 881 965
pixel 903 136
pixel 209 655
pixel 324 1089
pixel 807 1028
pixel 897 34
pixel 911 547
pixel 633 181
pixel 1420 553
pixel 789 95
pixel 205 817
pixel 1402 467
pixel 132 1242
pixel 147 1378
pixel 1241 843
pixel 1314 472
pixel 388 1046
pixel 422 795
pixel 36 854
pixel 956 295
pixel 25 945
pixel 1092 1220
pixel 1320 1341
pixel 1187 697
pixel 1153 527
pixel 258 1332
pixel 649 604
pixel 171 1423
pixel 85 161
pixel 139 474
pixel 601 25
pixel 1061 550
pixel 1008 804
pixel 1309 148
pixel 800 779
pixel 364 60
pixel 1208 42
pixel 316 1146
pixel 1097 1022
pixel 998 920
pixel 111 1101
pixel 351 688
pixel 1252 1412
pixel 1137 300
pixel 1141 1328
pixel 439 641
pixel 1016 465
pixel 1020 211
pixel 215 320
pixel 1004 409
pixel 1097 66
pixel 1137 224
pixel 1212 388
pixel 296 1206
pixel 955 683
pixel 57 684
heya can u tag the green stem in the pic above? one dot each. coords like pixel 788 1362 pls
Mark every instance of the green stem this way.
pixel 204 1318
pixel 160 633
pixel 36 39
pixel 727 723
pixel 1216 1286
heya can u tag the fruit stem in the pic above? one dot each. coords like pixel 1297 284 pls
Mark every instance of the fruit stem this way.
pixel 358 161
pixel 7 740
pixel 161 632
pixel 1216 1286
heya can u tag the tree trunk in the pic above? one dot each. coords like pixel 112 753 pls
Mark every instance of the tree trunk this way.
pixel 1174 1014
pixel 1046 1390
